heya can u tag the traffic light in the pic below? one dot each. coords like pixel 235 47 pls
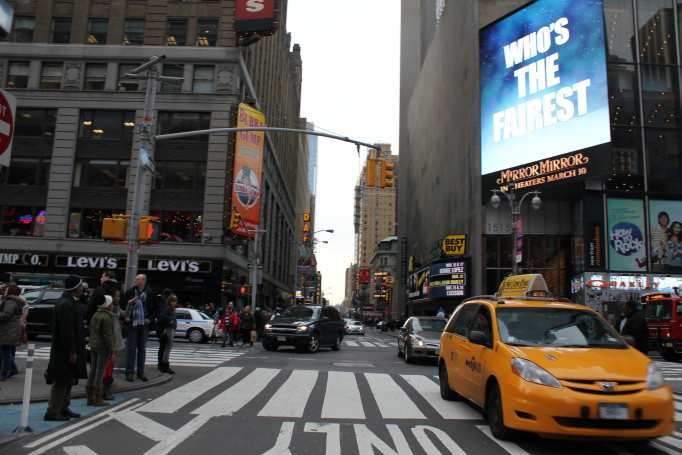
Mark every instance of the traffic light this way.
pixel 115 228
pixel 243 290
pixel 371 173
pixel 387 174
pixel 235 220
pixel 149 230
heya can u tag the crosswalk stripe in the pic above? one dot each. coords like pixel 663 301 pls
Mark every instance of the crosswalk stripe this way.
pixel 351 343
pixel 393 402
pixel 367 344
pixel 239 395
pixel 144 425
pixel 177 398
pixel 669 440
pixel 342 398
pixel 429 390
pixel 381 345
pixel 510 447
pixel 291 399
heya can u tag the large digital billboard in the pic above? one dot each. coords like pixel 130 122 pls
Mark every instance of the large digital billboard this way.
pixel 543 88
pixel 627 241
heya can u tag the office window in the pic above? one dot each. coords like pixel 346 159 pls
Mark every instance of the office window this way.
pixel 23 29
pixel 660 96
pixel 127 84
pixel 175 122
pixel 133 32
pixel 100 174
pixel 203 79
pixel 207 32
pixel 35 122
pixel 51 76
pixel 111 125
pixel 95 76
pixel 656 32
pixel 179 175
pixel 17 75
pixel 623 97
pixel 180 226
pixel 61 30
pixel 172 70
pixel 176 34
pixel 664 153
pixel 22 221
pixel 27 172
pixel 97 30
pixel 620 30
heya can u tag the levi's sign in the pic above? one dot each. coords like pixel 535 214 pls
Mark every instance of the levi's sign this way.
pixel 149 265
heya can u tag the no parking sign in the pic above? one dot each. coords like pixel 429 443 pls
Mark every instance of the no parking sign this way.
pixel 8 106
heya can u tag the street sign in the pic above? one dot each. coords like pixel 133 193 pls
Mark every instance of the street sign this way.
pixel 8 106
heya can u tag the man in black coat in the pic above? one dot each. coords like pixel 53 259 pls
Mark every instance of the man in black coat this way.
pixel 140 312
pixel 67 354
pixel 635 326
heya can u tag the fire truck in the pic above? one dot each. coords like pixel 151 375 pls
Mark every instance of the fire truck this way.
pixel 663 313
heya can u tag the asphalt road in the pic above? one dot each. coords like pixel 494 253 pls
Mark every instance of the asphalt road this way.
pixel 360 400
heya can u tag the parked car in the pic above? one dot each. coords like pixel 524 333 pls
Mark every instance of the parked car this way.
pixel 193 325
pixel 354 328
pixel 305 327
pixel 420 337
pixel 40 307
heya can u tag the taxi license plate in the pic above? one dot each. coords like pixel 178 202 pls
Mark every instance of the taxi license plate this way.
pixel 281 338
pixel 613 411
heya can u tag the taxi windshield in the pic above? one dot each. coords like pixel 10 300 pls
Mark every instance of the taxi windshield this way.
pixel 554 327
pixel 659 310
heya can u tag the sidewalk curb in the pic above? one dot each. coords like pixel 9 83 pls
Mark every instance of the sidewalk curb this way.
pixel 159 380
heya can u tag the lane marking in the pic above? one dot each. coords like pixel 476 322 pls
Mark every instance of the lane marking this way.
pixel 78 450
pixel 367 344
pixel 510 447
pixel 342 397
pixel 393 402
pixel 333 435
pixel 172 401
pixel 239 395
pixel 292 397
pixel 351 343
pixel 429 447
pixel 144 425
pixel 430 391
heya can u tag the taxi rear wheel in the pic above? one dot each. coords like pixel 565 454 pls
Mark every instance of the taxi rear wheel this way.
pixel 495 414
pixel 446 392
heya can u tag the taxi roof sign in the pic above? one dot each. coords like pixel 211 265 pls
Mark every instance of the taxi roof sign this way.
pixel 530 285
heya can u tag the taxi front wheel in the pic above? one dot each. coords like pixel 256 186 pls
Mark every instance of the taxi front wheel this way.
pixel 446 392
pixel 495 415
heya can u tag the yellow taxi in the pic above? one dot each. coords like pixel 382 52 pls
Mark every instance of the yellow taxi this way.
pixel 544 365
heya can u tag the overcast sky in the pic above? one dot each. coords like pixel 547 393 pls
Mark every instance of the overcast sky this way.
pixel 351 73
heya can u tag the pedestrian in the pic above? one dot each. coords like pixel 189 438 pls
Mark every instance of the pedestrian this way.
pixel 12 333
pixel 139 314
pixel 247 325
pixel 67 353
pixel 165 329
pixel 235 322
pixel 107 286
pixel 635 326
pixel 101 346
pixel 119 345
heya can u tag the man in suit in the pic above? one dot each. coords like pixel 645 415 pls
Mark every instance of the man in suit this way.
pixel 67 354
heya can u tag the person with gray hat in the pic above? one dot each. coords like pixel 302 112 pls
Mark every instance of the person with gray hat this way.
pixel 101 347
pixel 67 354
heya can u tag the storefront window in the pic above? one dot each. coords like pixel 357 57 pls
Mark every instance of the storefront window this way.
pixel 22 221
pixel 87 223
pixel 626 160
pixel 660 95
pixel 35 122
pixel 656 32
pixel 101 174
pixel 113 125
pixel 175 122
pixel 178 175
pixel 623 88
pixel 620 30
pixel 180 226
pixel 27 172
pixel 664 158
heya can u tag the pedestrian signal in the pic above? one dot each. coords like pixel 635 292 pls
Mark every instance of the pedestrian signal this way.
pixel 149 229
pixel 115 228
pixel 387 174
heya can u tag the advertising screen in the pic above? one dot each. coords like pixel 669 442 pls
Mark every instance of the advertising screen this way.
pixel 543 87
pixel 627 244
pixel 665 220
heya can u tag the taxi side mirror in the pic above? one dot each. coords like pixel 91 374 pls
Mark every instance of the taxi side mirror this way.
pixel 629 339
pixel 478 337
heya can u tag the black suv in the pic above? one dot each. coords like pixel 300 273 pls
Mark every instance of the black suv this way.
pixel 305 327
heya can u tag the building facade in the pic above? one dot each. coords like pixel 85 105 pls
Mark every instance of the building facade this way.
pixel 384 270
pixel 76 144
pixel 572 239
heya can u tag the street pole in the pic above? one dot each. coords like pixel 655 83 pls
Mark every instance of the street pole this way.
pixel 254 267
pixel 515 215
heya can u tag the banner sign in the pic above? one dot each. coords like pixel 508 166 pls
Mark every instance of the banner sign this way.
pixel 543 91
pixel 665 221
pixel 255 16
pixel 627 244
pixel 454 245
pixel 24 259
pixel 248 171
pixel 593 213
pixel 149 265
pixel 442 279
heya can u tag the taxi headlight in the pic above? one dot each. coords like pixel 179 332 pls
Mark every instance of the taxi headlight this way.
pixel 530 372
pixel 654 378
pixel 302 328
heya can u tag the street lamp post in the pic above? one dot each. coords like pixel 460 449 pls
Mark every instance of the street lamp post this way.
pixel 254 266
pixel 515 205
